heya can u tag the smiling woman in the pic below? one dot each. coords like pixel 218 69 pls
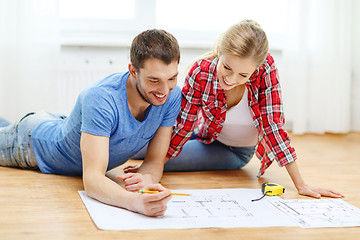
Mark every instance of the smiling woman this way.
pixel 233 70
pixel 208 137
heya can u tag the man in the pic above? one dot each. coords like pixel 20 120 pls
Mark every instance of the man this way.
pixel 111 121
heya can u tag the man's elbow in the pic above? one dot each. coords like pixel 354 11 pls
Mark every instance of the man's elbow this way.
pixel 90 184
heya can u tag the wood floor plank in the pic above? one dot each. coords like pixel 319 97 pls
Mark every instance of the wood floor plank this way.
pixel 41 206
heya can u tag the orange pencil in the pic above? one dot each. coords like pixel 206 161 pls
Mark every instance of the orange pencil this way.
pixel 181 194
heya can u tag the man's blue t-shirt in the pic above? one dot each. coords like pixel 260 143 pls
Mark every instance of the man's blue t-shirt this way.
pixel 101 109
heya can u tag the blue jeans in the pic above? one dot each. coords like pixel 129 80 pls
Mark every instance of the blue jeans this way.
pixel 197 156
pixel 15 141
pixel 4 122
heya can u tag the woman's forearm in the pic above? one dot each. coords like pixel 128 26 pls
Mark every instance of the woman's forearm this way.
pixel 153 171
pixel 295 175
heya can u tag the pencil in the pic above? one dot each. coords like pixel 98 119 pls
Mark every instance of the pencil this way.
pixel 181 194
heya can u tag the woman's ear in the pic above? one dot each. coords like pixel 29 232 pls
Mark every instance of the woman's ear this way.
pixel 132 70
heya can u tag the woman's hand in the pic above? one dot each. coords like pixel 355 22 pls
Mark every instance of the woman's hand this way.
pixel 305 189
pixel 317 192
pixel 152 204
pixel 131 169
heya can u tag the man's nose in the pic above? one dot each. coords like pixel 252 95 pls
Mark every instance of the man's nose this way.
pixel 164 88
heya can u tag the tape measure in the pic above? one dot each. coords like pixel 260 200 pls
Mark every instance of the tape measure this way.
pixel 270 189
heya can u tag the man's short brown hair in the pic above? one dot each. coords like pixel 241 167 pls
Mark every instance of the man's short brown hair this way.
pixel 154 43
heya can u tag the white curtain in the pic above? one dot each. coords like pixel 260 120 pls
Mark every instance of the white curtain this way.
pixel 317 65
pixel 29 56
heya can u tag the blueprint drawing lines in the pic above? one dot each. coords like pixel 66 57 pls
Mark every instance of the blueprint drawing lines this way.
pixel 228 208
pixel 320 212
pixel 207 207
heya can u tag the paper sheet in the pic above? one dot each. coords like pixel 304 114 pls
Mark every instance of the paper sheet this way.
pixel 226 208
pixel 319 213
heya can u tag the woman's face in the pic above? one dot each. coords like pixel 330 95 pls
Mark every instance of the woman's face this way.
pixel 233 70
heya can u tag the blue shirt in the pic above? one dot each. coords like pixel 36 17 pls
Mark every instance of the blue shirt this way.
pixel 101 109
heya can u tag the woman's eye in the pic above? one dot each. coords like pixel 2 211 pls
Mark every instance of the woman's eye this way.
pixel 227 68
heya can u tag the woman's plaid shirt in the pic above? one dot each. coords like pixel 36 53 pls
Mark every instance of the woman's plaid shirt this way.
pixel 203 110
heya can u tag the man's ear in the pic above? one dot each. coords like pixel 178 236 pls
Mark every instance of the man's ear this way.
pixel 132 70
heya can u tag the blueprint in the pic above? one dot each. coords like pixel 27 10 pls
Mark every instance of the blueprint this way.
pixel 228 208
pixel 317 213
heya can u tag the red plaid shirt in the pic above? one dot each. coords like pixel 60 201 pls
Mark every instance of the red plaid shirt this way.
pixel 203 110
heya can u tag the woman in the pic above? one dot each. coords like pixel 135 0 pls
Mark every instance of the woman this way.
pixel 231 107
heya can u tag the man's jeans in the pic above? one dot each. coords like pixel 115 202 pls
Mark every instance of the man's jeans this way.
pixel 3 122
pixel 197 156
pixel 15 141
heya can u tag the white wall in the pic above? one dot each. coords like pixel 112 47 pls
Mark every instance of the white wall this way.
pixel 29 56
pixel 83 65
pixel 80 66
pixel 355 108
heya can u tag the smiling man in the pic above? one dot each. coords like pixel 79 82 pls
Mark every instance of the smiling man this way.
pixel 111 121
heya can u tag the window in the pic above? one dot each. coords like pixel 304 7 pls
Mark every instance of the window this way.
pixel 218 15
pixel 194 23
pixel 205 20
pixel 90 9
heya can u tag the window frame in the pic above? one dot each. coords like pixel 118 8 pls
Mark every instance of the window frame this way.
pixel 106 32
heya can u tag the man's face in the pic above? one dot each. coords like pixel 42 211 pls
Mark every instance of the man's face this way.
pixel 155 80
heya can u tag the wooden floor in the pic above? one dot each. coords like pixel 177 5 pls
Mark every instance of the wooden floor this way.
pixel 39 206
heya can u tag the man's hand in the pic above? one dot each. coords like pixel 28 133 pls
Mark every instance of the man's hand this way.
pixel 152 204
pixel 135 181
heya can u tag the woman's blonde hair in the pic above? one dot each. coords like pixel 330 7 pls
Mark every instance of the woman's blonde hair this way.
pixel 244 39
